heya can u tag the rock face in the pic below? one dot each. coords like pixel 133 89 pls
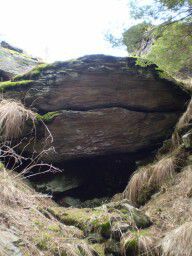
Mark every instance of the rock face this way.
pixel 104 113
pixel 79 134
pixel 14 61
pixel 98 82
pixel 10 47
pixel 102 105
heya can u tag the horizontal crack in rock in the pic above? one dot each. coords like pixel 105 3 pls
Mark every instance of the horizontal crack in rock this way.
pixel 108 106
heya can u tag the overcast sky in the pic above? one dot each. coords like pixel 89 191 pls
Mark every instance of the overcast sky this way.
pixel 63 29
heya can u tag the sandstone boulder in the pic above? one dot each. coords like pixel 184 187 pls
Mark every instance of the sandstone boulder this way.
pixel 13 61
pixel 99 105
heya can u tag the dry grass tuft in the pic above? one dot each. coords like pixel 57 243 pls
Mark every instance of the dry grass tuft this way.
pixel 184 122
pixel 186 118
pixel 13 116
pixel 172 207
pixel 12 192
pixel 178 242
pixel 76 247
pixel 149 179
pixel 176 140
pixel 138 243
pixel 137 188
pixel 163 171
pixel 26 211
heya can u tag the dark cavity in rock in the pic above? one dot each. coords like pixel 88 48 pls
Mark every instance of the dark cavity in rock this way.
pixel 90 181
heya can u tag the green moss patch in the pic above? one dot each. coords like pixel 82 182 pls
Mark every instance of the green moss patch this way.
pixel 86 219
pixel 101 220
pixel 143 62
pixel 35 72
pixel 8 84
pixel 48 117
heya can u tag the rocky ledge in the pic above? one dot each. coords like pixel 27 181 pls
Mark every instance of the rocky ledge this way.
pixel 14 61
pixel 98 107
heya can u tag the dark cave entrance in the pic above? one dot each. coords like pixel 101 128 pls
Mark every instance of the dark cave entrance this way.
pixel 98 178
pixel 86 182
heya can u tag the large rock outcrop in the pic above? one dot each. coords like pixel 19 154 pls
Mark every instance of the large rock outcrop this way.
pixel 13 61
pixel 101 105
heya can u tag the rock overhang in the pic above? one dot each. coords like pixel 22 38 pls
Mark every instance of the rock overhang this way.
pixel 104 105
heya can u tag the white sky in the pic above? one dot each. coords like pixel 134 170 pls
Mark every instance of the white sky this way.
pixel 63 29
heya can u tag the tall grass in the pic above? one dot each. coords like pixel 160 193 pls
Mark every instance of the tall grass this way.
pixel 13 116
pixel 137 189
pixel 178 242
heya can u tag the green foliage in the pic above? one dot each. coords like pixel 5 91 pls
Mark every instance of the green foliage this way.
pixel 165 10
pixel 133 37
pixel 175 4
pixel 172 50
pixel 163 74
pixel 143 62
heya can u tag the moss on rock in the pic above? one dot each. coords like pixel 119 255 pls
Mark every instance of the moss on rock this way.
pixel 93 220
pixel 5 85
pixel 48 117
pixel 33 73
pixel 101 219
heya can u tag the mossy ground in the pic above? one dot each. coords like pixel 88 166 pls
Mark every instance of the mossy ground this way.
pixel 99 220
pixel 86 219
pixel 48 230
